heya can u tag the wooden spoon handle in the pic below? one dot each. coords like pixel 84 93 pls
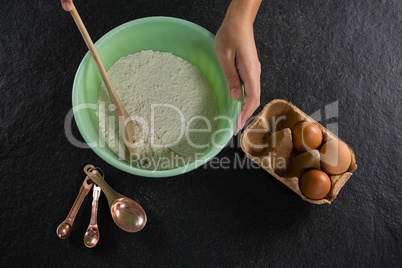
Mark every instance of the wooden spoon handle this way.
pixel 126 125
pixel 113 95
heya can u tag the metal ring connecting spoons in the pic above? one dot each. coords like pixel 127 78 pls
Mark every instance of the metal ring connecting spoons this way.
pixel 92 234
pixel 126 213
pixel 64 229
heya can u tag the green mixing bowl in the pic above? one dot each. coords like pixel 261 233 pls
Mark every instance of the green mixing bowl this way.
pixel 182 38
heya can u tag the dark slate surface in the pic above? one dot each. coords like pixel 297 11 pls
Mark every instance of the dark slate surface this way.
pixel 312 53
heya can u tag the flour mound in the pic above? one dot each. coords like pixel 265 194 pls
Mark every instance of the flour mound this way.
pixel 164 95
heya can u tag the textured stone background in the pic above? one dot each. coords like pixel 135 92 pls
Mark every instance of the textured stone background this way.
pixel 312 53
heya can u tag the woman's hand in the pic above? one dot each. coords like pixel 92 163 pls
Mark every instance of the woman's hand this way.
pixel 66 4
pixel 237 54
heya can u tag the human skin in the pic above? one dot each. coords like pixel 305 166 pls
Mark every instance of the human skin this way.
pixel 237 54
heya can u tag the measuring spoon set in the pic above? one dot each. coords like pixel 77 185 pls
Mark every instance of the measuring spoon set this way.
pixel 126 213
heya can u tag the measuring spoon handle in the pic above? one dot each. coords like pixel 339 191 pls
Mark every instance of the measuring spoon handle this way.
pixel 94 212
pixel 94 175
pixel 84 190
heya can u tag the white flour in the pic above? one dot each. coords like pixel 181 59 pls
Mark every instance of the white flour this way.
pixel 177 91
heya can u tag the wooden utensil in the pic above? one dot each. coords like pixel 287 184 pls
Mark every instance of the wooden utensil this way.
pixel 126 125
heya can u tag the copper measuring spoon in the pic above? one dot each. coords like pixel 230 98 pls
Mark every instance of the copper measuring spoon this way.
pixel 92 235
pixel 126 213
pixel 64 229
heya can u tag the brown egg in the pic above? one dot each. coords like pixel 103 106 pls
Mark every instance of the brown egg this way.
pixel 306 136
pixel 315 184
pixel 335 157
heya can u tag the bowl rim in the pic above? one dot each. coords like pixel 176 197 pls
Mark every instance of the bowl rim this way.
pixel 118 163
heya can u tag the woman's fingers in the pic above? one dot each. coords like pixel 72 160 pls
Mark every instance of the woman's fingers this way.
pixel 66 4
pixel 251 79
pixel 227 62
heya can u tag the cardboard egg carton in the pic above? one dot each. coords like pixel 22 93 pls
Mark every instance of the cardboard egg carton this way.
pixel 268 142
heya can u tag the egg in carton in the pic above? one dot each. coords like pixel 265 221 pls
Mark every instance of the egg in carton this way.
pixel 268 142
